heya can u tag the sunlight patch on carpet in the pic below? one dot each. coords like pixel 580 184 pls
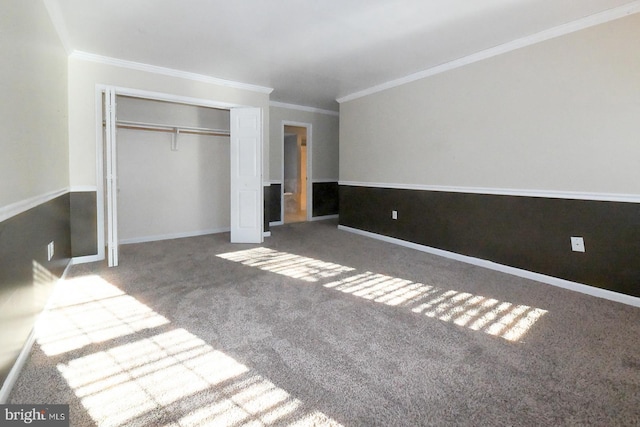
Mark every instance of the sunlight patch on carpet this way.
pixel 502 319
pixel 298 267
pixel 165 377
pixel 498 318
pixel 91 310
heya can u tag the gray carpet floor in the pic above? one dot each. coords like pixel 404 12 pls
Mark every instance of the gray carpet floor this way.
pixel 318 326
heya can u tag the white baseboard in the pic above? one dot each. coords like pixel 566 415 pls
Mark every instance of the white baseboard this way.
pixel 14 373
pixel 16 369
pixel 86 259
pixel 95 258
pixel 266 234
pixel 315 218
pixel 155 238
pixel 550 280
pixel 322 218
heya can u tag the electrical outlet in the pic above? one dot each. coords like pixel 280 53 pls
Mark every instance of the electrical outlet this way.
pixel 577 244
pixel 50 251
pixel 394 214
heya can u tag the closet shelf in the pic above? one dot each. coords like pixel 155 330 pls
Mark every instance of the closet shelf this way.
pixel 154 127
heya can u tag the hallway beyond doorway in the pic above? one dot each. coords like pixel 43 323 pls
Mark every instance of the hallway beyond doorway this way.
pixel 295 173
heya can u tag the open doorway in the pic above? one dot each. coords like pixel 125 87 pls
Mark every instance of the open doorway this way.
pixel 295 173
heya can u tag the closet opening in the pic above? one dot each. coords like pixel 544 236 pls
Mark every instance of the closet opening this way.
pixel 170 167
pixel 173 170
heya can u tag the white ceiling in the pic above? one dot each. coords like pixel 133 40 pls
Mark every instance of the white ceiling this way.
pixel 310 51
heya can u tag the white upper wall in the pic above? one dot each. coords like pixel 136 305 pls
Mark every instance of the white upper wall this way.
pixel 85 75
pixel 33 110
pixel 325 137
pixel 561 115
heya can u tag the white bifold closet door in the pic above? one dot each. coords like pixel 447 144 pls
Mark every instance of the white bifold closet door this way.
pixel 246 176
pixel 111 176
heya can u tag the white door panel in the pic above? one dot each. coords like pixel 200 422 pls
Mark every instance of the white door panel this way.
pixel 247 160
pixel 248 200
pixel 246 175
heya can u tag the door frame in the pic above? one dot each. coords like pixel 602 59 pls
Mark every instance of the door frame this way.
pixel 100 89
pixel 110 180
pixel 309 183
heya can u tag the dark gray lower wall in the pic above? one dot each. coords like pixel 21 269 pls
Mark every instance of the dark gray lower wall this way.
pixel 531 233
pixel 267 207
pixel 275 202
pixel 325 198
pixel 26 276
pixel 84 223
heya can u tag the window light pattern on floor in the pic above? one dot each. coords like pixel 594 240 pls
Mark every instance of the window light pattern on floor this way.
pixel 503 319
pixel 165 377
pixel 498 318
pixel 86 311
pixel 298 267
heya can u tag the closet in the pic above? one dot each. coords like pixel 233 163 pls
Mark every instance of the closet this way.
pixel 173 166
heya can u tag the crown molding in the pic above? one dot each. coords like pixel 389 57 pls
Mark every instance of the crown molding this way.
pixel 551 194
pixel 571 27
pixel 139 66
pixel 303 108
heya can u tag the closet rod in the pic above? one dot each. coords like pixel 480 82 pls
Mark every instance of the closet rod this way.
pixel 171 129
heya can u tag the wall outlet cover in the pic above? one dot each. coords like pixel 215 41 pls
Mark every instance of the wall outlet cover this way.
pixel 577 244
